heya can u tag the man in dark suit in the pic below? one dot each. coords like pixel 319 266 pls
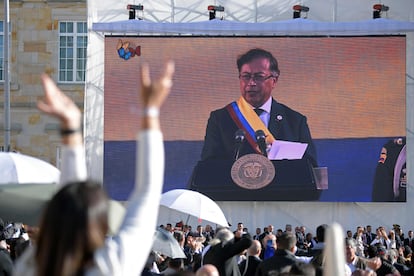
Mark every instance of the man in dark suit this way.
pixel 223 249
pixel 283 258
pixel 258 74
pixel 248 267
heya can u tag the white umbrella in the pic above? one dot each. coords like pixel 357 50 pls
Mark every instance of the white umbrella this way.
pixel 20 168
pixel 195 204
pixel 166 244
pixel 25 203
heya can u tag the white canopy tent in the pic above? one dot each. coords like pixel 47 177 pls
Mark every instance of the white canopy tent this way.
pixel 271 17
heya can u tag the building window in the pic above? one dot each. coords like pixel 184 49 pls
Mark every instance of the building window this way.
pixel 1 51
pixel 73 37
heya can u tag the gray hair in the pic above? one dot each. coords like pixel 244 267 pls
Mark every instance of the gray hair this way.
pixel 223 236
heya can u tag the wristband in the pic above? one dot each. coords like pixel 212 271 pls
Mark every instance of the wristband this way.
pixel 69 131
pixel 152 111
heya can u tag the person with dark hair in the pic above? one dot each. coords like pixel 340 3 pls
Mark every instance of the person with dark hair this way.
pixel 317 252
pixel 72 235
pixel 174 266
pixel 258 74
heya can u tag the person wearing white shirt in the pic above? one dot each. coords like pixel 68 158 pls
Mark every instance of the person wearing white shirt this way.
pixel 72 236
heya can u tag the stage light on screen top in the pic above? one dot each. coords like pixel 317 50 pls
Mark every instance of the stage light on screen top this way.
pixel 132 11
pixel 212 9
pixel 378 9
pixel 298 9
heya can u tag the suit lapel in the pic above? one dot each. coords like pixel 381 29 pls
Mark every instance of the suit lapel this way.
pixel 274 124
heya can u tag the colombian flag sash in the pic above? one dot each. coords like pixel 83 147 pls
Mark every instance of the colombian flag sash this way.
pixel 245 118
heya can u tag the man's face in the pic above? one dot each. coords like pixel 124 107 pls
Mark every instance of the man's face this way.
pixel 349 253
pixel 256 93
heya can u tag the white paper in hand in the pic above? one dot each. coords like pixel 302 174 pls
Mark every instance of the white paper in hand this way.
pixel 287 150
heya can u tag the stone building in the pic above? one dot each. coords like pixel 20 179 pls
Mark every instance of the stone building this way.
pixel 45 36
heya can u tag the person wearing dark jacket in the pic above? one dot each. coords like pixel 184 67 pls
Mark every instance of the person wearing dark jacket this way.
pixel 283 259
pixel 248 267
pixel 223 249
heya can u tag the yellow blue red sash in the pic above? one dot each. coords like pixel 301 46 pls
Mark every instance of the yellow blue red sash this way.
pixel 245 118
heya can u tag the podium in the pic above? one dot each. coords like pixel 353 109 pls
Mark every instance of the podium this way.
pixel 294 181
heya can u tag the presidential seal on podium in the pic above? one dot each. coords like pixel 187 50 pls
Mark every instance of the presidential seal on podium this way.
pixel 253 171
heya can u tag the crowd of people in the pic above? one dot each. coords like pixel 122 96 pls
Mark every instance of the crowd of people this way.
pixel 267 251
pixel 288 251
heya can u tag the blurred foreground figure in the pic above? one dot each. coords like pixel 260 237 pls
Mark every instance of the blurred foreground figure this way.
pixel 75 223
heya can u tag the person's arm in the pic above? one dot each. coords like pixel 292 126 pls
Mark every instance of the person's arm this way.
pixel 60 106
pixel 134 240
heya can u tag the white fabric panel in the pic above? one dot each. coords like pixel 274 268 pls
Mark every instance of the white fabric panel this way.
pixel 353 15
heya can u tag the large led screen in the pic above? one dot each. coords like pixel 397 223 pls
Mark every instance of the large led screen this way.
pixel 350 88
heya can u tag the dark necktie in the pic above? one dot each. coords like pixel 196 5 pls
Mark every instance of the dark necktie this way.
pixel 258 111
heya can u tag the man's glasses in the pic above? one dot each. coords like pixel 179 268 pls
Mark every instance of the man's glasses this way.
pixel 256 78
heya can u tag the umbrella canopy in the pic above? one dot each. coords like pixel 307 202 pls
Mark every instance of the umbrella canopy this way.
pixel 166 244
pixel 20 168
pixel 195 204
pixel 25 203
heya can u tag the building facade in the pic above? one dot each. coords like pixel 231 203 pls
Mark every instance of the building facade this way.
pixel 45 37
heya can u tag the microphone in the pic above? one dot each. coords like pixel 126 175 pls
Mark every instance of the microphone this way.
pixel 261 141
pixel 239 137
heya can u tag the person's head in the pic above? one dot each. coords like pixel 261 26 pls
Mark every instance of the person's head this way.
pixel 270 228
pixel 369 228
pixel 258 230
pixel 299 269
pixel 320 232
pixel 223 236
pixel 176 264
pixel 258 74
pixel 208 228
pixel 179 236
pixel 392 255
pixel 73 226
pixel 255 248
pixel 207 270
pixel 287 241
pixel 288 228
pixel 240 226
pixel 279 232
pixel 350 250
pixel 408 252
pixel 349 234
pixel 199 228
